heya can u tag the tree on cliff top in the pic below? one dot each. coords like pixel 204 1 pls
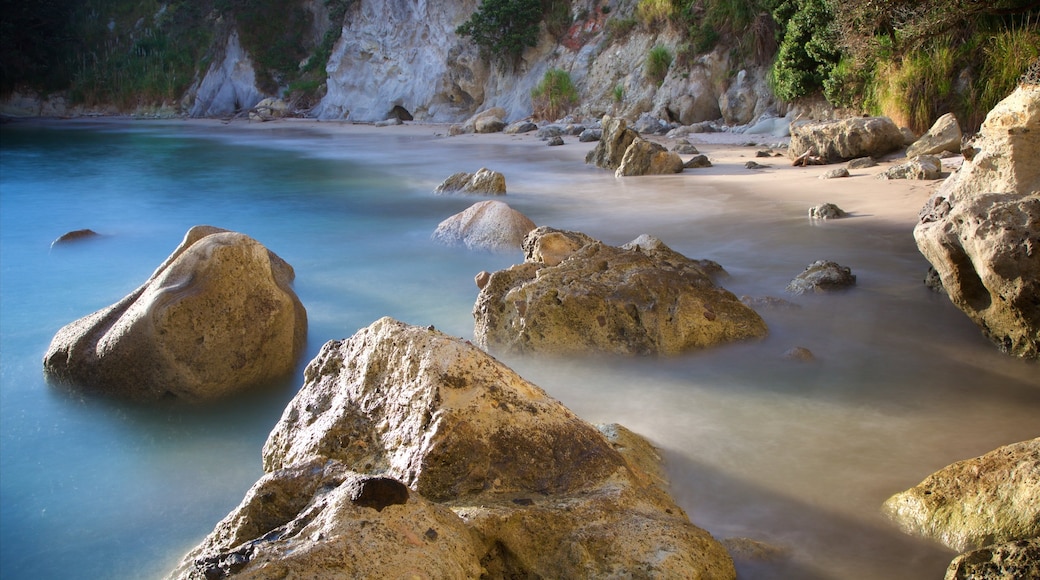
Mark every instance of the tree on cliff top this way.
pixel 503 29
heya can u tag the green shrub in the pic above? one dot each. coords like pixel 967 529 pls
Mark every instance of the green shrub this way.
pixel 619 93
pixel 558 18
pixel 808 52
pixel 658 61
pixel 653 12
pixel 554 96
pixel 503 29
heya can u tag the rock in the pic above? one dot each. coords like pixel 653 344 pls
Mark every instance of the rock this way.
pixel 556 141
pixel 981 228
pixel 945 135
pixel 648 124
pixel 753 550
pixel 973 503
pixel 268 109
pixel 483 181
pixel 482 278
pixel 229 85
pixel 590 135
pixel 575 295
pixel 799 353
pixel 769 302
pixel 390 122
pixel 219 315
pixel 822 276
pixel 836 173
pixel 843 139
pixel 826 211
pixel 615 140
pixel 924 167
pixel 684 147
pixel 549 131
pixel 738 102
pixel 488 124
pixel 1008 561
pixel 697 161
pixel 754 165
pixel 487 225
pixel 73 236
pixel 520 127
pixel 648 158
pixel 535 490
pixel 319 519
pixel 862 163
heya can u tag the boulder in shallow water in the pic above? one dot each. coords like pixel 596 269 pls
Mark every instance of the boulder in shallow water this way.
pixel 648 158
pixel 217 316
pixel 488 225
pixel 583 296
pixel 535 491
pixel 826 211
pixel 73 236
pixel 844 139
pixel 483 181
pixel 822 276
pixel 981 228
pixel 976 502
pixel 614 140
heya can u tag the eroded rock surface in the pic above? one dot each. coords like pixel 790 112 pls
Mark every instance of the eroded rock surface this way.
pixel 981 229
pixel 482 181
pixel 503 480
pixel 488 225
pixel 217 316
pixel 574 294
pixel 1008 561
pixel 976 502
pixel 822 276
pixel 845 139
pixel 944 135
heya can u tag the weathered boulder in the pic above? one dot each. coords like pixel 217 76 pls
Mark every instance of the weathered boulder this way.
pixel 973 503
pixel 981 228
pixel 318 519
pixel 927 167
pixel 439 426
pixel 520 127
pixel 217 316
pixel 590 135
pixel 684 147
pixel 648 158
pixel 268 109
pixel 844 139
pixel 944 135
pixel 822 276
pixel 489 121
pixel 577 295
pixel 614 141
pixel 488 225
pixel 837 173
pixel 826 211
pixel 1009 561
pixel 483 181
pixel 697 161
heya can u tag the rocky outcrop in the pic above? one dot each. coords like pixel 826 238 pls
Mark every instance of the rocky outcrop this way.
pixel 981 229
pixel 977 502
pixel 438 426
pixel 488 225
pixel 482 181
pixel 576 295
pixel 943 136
pixel 844 139
pixel 217 316
pixel 614 140
pixel 822 276
pixel 1009 561
pixel 623 151
pixel 229 86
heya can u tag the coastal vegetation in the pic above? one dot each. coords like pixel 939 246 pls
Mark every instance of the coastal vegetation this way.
pixel 555 95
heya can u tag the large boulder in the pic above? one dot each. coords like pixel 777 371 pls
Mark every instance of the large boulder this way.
pixel 648 158
pixel 976 502
pixel 1008 561
pixel 843 139
pixel 488 225
pixel 945 135
pixel 615 139
pixel 217 316
pixel 981 228
pixel 437 423
pixel 483 181
pixel 577 295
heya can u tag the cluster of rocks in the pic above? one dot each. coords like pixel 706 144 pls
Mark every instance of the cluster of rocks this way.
pixel 623 151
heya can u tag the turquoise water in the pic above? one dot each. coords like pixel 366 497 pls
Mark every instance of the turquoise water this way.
pixel 799 455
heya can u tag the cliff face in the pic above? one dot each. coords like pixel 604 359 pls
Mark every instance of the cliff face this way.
pixel 400 56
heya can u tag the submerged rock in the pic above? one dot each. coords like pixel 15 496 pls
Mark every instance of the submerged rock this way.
pixel 976 502
pixel 503 481
pixel 73 236
pixel 981 229
pixel 217 316
pixel 844 139
pixel 822 276
pixel 574 294
pixel 487 225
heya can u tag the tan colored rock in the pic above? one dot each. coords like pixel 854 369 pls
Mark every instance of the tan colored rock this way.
pixel 615 139
pixel 981 229
pixel 217 316
pixel 843 139
pixel 1008 561
pixel 483 181
pixel 975 502
pixel 648 158
pixel 645 300
pixel 487 225
pixel 944 135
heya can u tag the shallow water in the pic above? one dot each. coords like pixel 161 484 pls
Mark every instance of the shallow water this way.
pixel 798 455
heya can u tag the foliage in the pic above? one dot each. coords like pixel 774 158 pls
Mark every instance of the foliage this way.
pixel 273 32
pixel 503 29
pixel 658 61
pixel 653 12
pixel 808 51
pixel 917 90
pixel 554 96
pixel 619 93
pixel 619 28
pixel 558 18
pixel 35 37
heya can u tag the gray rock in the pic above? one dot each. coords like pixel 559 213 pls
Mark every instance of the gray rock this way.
pixel 836 173
pixel 229 85
pixel 754 165
pixel 926 167
pixel 822 276
pixel 826 211
pixel 973 503
pixel 577 295
pixel 488 225
pixel 944 135
pixel 550 131
pixel 391 122
pixel 483 181
pixel 1009 561
pixel 556 141
pixel 219 315
pixel 648 124
pixel 845 139
pixel 590 135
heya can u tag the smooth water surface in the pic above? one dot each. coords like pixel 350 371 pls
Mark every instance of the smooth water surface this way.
pixel 798 455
